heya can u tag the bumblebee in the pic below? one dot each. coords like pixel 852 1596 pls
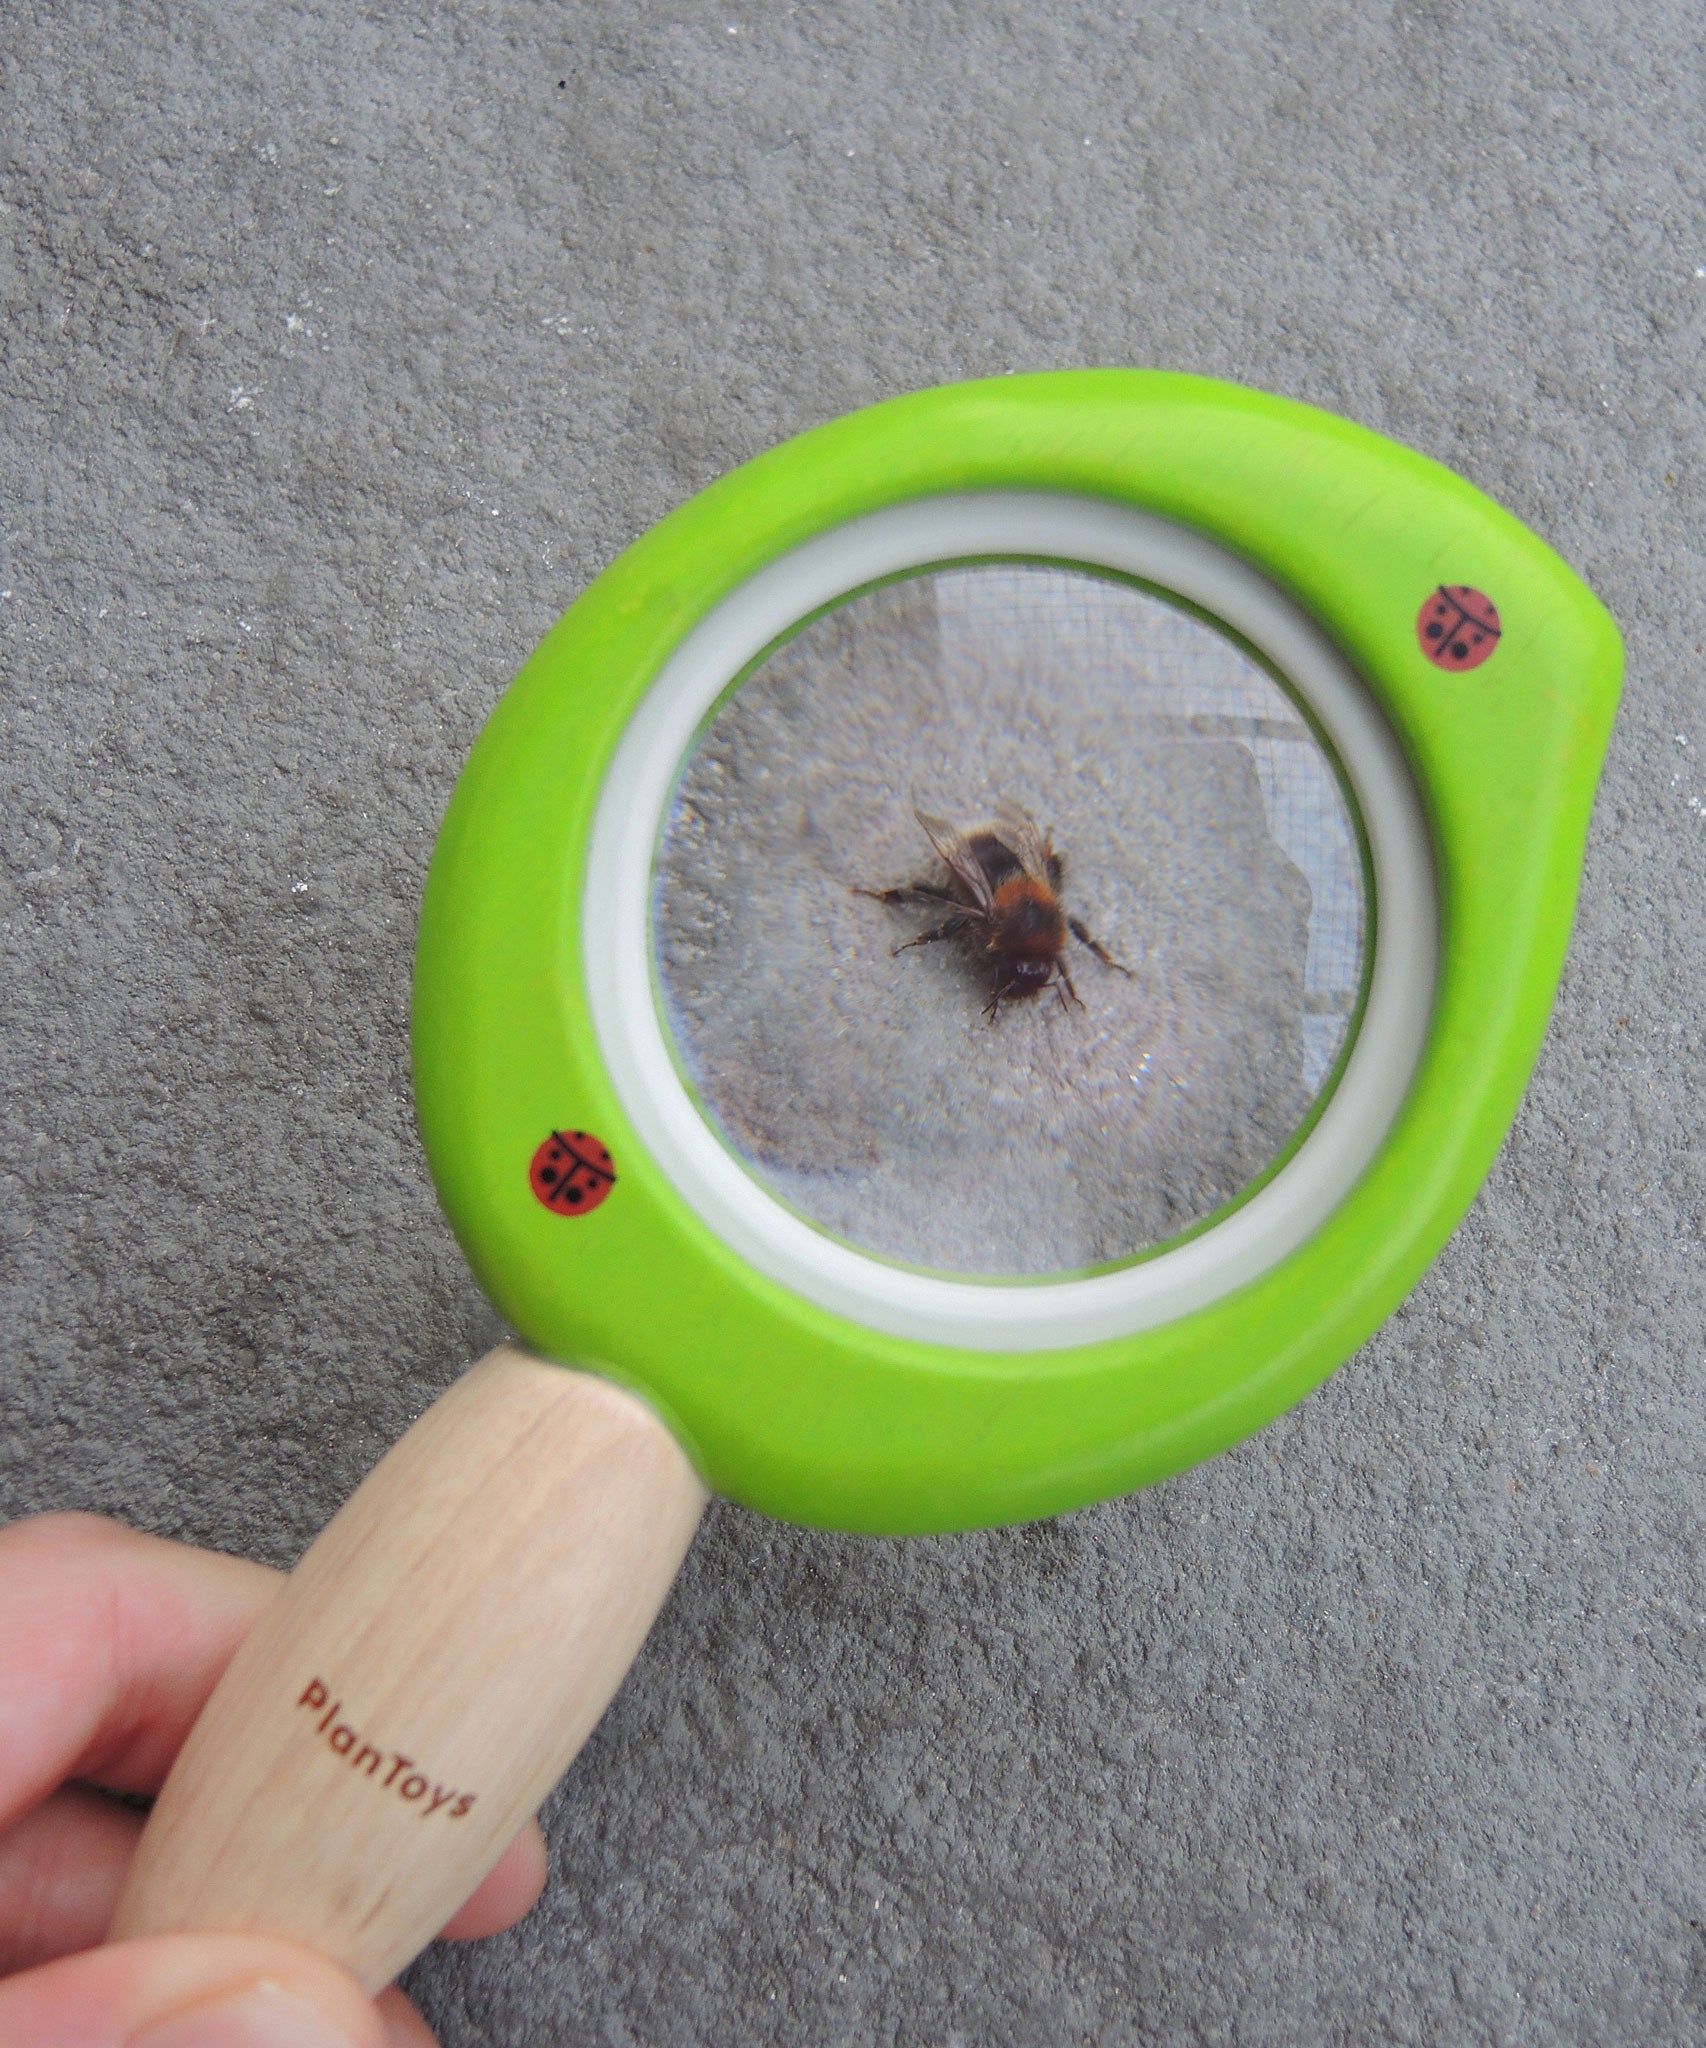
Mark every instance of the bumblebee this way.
pixel 1003 894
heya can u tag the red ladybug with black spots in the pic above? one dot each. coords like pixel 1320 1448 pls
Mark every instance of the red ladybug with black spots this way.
pixel 1458 627
pixel 572 1173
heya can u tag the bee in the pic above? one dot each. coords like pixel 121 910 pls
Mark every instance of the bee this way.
pixel 1003 891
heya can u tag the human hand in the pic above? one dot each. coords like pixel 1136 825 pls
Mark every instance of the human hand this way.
pixel 110 1643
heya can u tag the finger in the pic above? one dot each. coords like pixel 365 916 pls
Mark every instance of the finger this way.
pixel 61 1870
pixel 197 1991
pixel 510 1892
pixel 114 1641
pixel 63 1865
pixel 404 2027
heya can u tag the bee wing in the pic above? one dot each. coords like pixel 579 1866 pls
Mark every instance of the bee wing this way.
pixel 1018 832
pixel 955 849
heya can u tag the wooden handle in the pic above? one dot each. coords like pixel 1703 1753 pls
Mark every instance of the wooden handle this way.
pixel 428 1673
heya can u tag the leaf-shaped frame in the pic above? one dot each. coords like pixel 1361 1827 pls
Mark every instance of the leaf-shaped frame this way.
pixel 816 1408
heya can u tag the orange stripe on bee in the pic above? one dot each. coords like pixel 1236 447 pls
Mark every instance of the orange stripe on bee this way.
pixel 1026 921
pixel 1019 889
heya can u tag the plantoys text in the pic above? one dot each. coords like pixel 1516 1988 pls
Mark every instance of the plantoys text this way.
pixel 401 1778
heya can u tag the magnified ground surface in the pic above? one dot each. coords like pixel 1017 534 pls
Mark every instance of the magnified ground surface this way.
pixel 1206 843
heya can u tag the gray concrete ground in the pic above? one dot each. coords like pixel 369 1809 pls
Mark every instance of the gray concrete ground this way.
pixel 341 349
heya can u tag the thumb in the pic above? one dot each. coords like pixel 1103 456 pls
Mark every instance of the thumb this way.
pixel 192 1991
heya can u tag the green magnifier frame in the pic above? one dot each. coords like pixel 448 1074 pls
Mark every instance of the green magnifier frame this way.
pixel 787 1397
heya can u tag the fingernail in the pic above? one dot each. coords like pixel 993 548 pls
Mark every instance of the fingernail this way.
pixel 259 2016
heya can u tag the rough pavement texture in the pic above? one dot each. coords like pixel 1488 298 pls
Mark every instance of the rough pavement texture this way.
pixel 341 349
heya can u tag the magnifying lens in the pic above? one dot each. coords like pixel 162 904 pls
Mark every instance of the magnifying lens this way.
pixel 938 1116
pixel 979 962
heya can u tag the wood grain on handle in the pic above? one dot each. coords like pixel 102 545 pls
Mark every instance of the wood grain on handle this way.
pixel 428 1673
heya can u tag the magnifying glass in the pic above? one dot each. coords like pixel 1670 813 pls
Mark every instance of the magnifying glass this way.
pixel 972 969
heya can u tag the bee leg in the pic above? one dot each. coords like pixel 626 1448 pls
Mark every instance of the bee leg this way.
pixel 1076 926
pixel 950 930
pixel 908 892
pixel 1063 987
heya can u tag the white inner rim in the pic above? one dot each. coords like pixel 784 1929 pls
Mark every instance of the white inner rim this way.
pixel 1006 1316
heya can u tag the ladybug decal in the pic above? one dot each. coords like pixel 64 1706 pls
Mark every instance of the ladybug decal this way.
pixel 572 1173
pixel 1458 627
